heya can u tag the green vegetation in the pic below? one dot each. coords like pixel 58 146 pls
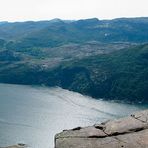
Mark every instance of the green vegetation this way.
pixel 122 75
pixel 58 32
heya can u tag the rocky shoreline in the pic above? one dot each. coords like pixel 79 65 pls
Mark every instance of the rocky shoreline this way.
pixel 128 132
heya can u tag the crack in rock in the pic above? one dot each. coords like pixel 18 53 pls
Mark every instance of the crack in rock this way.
pixel 137 118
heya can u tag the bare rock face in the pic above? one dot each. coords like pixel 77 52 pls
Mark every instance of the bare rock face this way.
pixel 129 132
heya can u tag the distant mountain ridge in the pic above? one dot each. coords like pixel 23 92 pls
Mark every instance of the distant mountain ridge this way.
pixel 59 32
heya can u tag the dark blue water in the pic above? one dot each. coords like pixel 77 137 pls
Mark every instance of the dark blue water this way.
pixel 33 115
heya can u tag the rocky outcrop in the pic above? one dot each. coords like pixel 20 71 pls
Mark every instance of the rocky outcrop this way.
pixel 128 132
pixel 20 145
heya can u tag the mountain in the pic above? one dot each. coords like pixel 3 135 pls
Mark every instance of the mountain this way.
pixel 100 58
pixel 59 32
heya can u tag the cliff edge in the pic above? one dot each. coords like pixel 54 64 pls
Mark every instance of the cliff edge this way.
pixel 20 145
pixel 128 132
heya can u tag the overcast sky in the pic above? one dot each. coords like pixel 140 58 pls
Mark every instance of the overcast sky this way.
pixel 22 10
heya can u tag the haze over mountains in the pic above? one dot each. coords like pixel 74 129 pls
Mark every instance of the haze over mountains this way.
pixel 101 58
pixel 57 32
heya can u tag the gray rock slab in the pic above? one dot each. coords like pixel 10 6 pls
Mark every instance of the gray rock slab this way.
pixel 128 132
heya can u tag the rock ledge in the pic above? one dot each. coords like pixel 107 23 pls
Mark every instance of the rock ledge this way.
pixel 128 132
pixel 19 145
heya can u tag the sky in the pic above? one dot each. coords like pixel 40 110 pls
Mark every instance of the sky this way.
pixel 24 10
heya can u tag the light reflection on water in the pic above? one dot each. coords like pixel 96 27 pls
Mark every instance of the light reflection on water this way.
pixel 33 115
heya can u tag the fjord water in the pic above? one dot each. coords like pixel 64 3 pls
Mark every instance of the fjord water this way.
pixel 33 115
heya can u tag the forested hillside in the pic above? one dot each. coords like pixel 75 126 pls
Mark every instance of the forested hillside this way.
pixel 104 59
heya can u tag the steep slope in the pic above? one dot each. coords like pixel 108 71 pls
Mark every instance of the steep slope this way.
pixel 122 75
pixel 119 75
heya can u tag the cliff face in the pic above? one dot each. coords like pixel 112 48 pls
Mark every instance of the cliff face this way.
pixel 128 132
